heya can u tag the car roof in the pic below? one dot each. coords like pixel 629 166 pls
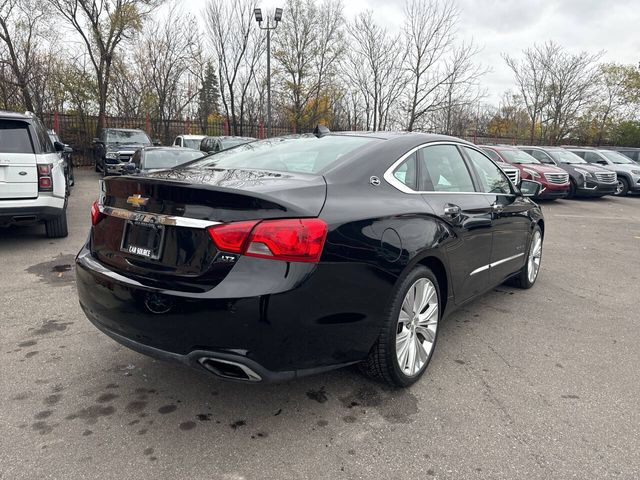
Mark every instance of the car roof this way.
pixel 16 115
pixel 230 137
pixel 192 137
pixel 125 129
pixel 500 147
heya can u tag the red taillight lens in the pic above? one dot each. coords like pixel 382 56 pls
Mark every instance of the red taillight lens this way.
pixel 96 214
pixel 231 237
pixel 45 183
pixel 291 240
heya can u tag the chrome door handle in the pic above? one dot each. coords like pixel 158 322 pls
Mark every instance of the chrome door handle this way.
pixel 452 210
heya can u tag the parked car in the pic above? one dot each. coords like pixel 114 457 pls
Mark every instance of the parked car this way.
pixel 188 141
pixel 632 153
pixel 627 171
pixel 115 147
pixel 65 154
pixel 217 144
pixel 149 159
pixel 554 180
pixel 32 180
pixel 587 180
pixel 285 258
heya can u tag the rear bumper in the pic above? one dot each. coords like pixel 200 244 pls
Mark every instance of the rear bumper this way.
pixel 29 211
pixel 309 320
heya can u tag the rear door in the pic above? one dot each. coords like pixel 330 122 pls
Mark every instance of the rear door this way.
pixel 448 187
pixel 510 222
pixel 18 171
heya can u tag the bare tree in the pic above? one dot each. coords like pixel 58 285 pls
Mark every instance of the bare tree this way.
pixel 572 83
pixel 373 66
pixel 309 45
pixel 238 45
pixel 429 32
pixel 165 53
pixel 103 25
pixel 532 78
pixel 22 30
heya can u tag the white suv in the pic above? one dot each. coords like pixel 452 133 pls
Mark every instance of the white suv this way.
pixel 188 141
pixel 32 181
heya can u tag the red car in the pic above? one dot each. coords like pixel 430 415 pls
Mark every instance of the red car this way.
pixel 555 181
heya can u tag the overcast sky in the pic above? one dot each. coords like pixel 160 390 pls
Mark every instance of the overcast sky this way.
pixel 512 25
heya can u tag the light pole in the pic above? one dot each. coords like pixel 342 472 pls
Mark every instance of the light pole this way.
pixel 277 17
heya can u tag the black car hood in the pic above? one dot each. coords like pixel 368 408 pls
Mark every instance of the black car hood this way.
pixel 571 167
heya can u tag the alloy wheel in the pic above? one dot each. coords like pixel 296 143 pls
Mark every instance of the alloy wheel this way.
pixel 535 256
pixel 417 326
pixel 619 187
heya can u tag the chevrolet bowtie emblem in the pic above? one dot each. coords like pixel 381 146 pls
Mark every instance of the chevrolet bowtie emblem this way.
pixel 137 200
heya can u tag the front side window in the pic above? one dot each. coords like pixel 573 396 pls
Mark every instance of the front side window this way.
pixel 442 169
pixel 540 156
pixel 565 156
pixel 517 156
pixel 593 157
pixel 492 179
pixel 191 143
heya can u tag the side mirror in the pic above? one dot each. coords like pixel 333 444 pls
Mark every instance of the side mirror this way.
pixel 67 149
pixel 157 143
pixel 130 168
pixel 529 188
pixel 58 146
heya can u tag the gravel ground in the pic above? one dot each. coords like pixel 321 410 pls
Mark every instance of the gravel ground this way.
pixel 533 384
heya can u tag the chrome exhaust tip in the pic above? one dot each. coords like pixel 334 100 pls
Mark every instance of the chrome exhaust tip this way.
pixel 229 369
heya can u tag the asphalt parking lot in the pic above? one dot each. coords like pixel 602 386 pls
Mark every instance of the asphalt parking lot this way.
pixel 543 383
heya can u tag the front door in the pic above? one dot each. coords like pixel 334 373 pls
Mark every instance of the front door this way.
pixel 448 187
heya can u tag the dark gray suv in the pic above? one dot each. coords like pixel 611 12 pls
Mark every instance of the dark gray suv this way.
pixel 627 170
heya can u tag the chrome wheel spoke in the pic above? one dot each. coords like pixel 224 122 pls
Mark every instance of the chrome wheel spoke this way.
pixel 417 326
pixel 535 257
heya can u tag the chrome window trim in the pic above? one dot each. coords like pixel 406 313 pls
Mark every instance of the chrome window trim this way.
pixel 495 264
pixel 398 185
pixel 156 218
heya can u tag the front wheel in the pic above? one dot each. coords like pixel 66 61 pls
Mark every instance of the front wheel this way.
pixel 529 273
pixel 622 188
pixel 404 349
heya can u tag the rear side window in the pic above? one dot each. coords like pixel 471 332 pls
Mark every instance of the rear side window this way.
pixel 540 156
pixel 15 137
pixel 46 144
pixel 406 172
pixel 442 169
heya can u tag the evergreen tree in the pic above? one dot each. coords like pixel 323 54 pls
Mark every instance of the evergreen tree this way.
pixel 209 97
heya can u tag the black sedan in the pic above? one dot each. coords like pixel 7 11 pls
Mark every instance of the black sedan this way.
pixel 297 255
pixel 148 159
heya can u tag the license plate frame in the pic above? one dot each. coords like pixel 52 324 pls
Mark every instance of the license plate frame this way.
pixel 134 243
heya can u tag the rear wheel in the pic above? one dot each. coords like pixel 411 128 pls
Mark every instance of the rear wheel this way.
pixel 529 273
pixel 622 188
pixel 57 227
pixel 405 346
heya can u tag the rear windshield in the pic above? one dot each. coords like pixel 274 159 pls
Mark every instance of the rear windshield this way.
pixel 127 136
pixel 169 158
pixel 191 142
pixel 14 137
pixel 232 142
pixel 517 156
pixel 565 156
pixel 303 154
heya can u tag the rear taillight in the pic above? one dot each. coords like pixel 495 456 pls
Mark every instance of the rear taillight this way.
pixel 96 214
pixel 291 240
pixel 45 183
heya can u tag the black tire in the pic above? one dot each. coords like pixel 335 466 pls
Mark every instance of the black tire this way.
pixel 572 190
pixel 522 279
pixel 382 362
pixel 623 185
pixel 57 227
